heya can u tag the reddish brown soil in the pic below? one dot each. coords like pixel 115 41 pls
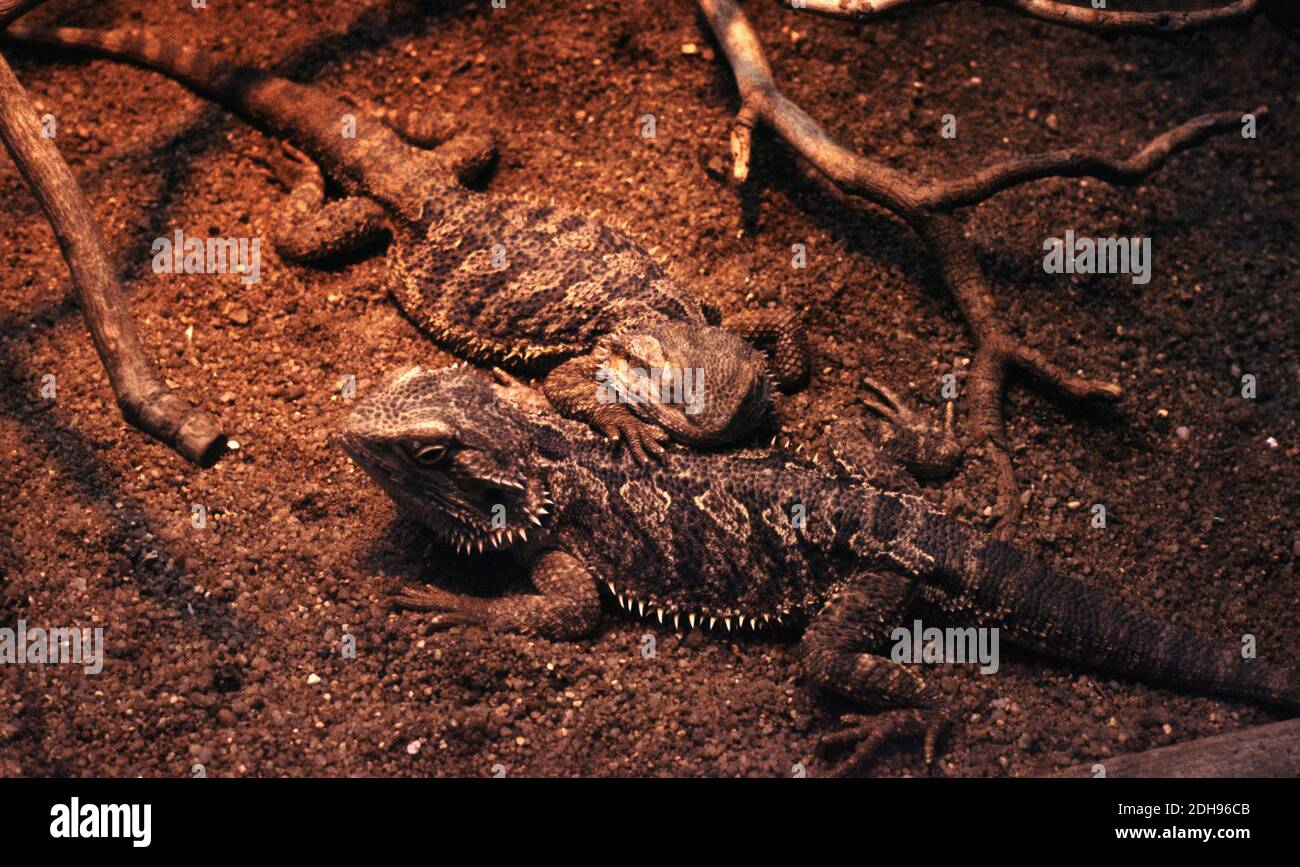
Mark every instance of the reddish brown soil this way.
pixel 213 635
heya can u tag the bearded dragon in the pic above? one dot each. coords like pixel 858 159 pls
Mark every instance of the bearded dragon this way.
pixel 739 540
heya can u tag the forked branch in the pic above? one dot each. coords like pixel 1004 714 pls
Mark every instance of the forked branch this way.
pixel 927 208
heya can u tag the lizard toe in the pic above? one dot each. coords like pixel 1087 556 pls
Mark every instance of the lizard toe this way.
pixel 448 609
pixel 863 736
pixel 650 442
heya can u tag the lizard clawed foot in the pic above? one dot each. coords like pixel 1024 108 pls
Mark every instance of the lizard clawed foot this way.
pixel 865 734
pixel 644 440
pixel 927 452
pixel 449 609
pixel 288 164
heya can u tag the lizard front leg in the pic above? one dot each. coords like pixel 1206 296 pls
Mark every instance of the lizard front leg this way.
pixel 835 652
pixel 574 389
pixel 467 156
pixel 566 606
pixel 780 335
pixel 310 229
pixel 697 384
pixel 926 451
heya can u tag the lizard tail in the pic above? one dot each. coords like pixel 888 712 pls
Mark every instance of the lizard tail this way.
pixel 1058 616
pixel 304 115
pixel 207 75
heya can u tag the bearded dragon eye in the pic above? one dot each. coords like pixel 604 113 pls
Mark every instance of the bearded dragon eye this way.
pixel 428 453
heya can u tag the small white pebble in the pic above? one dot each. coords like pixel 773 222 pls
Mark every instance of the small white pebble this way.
pixel 1184 433
pixel 313 679
pixel 413 747
pixel 690 48
pixel 1272 443
pixel 233 445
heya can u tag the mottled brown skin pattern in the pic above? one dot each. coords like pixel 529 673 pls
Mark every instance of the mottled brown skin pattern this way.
pixel 708 540
pixel 561 280
pixel 509 282
pixel 526 285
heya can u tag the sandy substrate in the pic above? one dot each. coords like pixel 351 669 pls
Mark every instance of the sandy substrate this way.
pixel 224 642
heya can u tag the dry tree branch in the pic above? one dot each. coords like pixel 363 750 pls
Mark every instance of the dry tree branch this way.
pixel 985 183
pixel 144 398
pixel 1086 18
pixel 927 208
pixel 1271 750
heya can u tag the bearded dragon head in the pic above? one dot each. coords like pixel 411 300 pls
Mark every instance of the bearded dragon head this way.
pixel 453 449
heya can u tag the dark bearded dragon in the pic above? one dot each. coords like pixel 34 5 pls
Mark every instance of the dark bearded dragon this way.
pixel 499 281
pixel 735 540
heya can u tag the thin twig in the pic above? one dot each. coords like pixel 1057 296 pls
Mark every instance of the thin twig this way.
pixel 927 208
pixel 142 395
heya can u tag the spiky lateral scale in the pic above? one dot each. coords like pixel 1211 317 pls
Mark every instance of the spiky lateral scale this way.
pixel 696 543
pixel 524 284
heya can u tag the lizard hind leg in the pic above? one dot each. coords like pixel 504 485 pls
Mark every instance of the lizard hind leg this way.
pixel 926 451
pixel 836 655
pixel 854 455
pixel 310 229
pixel 425 128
